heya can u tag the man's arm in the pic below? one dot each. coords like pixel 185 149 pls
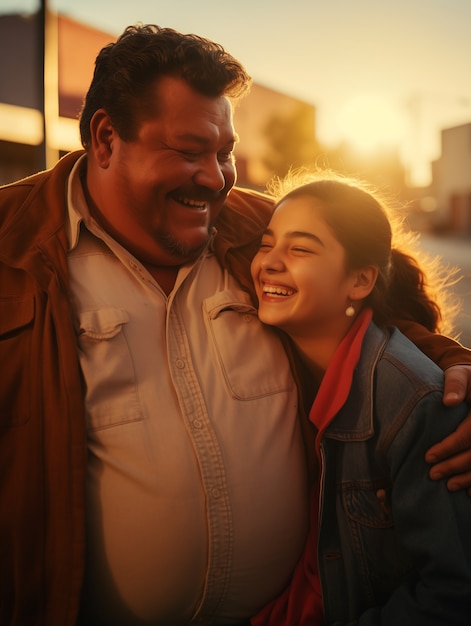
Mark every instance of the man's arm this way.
pixel 457 385
pixel 451 458
pixel 444 351
pixel 240 225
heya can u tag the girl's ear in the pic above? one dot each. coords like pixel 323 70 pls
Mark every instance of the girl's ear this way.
pixel 102 135
pixel 364 280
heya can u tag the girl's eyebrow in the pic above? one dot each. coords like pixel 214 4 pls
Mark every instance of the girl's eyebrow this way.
pixel 293 234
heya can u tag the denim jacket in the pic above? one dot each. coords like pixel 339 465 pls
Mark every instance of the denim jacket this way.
pixel 394 546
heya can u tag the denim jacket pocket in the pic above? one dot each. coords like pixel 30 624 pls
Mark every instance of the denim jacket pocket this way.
pixel 107 365
pixel 368 503
pixel 382 560
pixel 16 332
pixel 251 356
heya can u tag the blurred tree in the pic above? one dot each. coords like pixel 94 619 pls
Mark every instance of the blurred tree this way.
pixel 291 141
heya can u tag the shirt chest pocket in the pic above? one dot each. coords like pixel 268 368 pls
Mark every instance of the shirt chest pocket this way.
pixel 250 355
pixel 107 366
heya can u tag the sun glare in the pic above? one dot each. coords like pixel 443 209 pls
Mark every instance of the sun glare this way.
pixel 369 122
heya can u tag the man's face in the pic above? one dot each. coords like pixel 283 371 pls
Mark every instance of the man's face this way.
pixel 159 193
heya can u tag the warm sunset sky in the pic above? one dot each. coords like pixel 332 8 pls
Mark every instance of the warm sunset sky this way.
pixel 378 71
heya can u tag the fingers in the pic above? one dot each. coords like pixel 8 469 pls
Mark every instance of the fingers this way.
pixel 457 384
pixel 456 469
pixel 452 458
pixel 458 442
pixel 461 481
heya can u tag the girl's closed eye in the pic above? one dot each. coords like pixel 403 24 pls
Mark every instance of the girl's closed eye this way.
pixel 265 244
pixel 302 250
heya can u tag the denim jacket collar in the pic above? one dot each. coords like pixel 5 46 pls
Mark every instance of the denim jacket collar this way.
pixel 354 422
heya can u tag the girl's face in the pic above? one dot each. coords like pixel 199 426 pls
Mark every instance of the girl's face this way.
pixel 299 272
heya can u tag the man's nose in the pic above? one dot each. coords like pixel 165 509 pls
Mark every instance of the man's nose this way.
pixel 210 174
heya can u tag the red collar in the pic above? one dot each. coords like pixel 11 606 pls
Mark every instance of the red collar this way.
pixel 335 385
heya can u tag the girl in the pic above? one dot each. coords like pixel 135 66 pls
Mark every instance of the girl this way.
pixel 387 546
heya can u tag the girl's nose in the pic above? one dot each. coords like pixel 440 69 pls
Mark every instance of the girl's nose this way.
pixel 272 261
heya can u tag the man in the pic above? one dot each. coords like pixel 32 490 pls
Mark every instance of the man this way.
pixel 153 468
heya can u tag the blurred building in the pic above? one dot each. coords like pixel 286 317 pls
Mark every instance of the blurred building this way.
pixel 28 127
pixel 36 118
pixel 20 97
pixel 451 182
pixel 263 119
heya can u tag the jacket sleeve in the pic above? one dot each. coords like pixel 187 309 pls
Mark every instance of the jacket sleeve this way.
pixel 432 525
pixel 444 351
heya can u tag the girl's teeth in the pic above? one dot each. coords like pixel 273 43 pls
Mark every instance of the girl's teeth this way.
pixel 279 291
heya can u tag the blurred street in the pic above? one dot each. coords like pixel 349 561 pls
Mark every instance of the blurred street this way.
pixel 455 251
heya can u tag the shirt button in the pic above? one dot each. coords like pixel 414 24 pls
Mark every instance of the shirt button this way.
pixel 247 318
pixel 216 492
pixel 180 364
pixel 197 423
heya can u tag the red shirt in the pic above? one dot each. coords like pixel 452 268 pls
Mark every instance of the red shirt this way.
pixel 301 602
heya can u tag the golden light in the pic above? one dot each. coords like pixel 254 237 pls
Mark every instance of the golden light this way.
pixel 20 124
pixel 369 122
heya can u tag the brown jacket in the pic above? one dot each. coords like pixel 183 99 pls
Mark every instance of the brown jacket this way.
pixel 43 451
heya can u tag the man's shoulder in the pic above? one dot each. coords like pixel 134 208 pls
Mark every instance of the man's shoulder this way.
pixel 244 216
pixel 21 186
pixel 249 201
pixel 239 226
pixel 14 195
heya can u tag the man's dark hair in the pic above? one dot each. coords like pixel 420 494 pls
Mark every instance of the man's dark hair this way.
pixel 125 72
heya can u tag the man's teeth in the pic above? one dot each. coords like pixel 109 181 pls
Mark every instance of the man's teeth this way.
pixel 278 291
pixel 196 204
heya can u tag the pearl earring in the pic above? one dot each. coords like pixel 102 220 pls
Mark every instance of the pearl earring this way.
pixel 350 311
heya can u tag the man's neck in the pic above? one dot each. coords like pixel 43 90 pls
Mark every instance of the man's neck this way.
pixel 164 276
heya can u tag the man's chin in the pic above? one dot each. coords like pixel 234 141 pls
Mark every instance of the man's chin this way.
pixel 186 250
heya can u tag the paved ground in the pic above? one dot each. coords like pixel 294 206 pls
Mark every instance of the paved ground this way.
pixel 455 252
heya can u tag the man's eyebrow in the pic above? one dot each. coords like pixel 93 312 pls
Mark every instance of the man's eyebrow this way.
pixel 294 234
pixel 203 141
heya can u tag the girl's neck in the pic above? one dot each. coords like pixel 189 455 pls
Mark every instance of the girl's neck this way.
pixel 316 350
pixel 316 355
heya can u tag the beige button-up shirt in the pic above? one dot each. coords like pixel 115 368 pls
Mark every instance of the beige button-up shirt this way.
pixel 197 496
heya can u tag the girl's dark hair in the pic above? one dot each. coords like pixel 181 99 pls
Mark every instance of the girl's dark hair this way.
pixel 364 224
pixel 125 72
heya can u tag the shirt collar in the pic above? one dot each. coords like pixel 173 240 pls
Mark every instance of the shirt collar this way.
pixel 77 209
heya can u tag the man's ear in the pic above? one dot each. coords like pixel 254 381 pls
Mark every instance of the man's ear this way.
pixel 102 135
pixel 364 282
